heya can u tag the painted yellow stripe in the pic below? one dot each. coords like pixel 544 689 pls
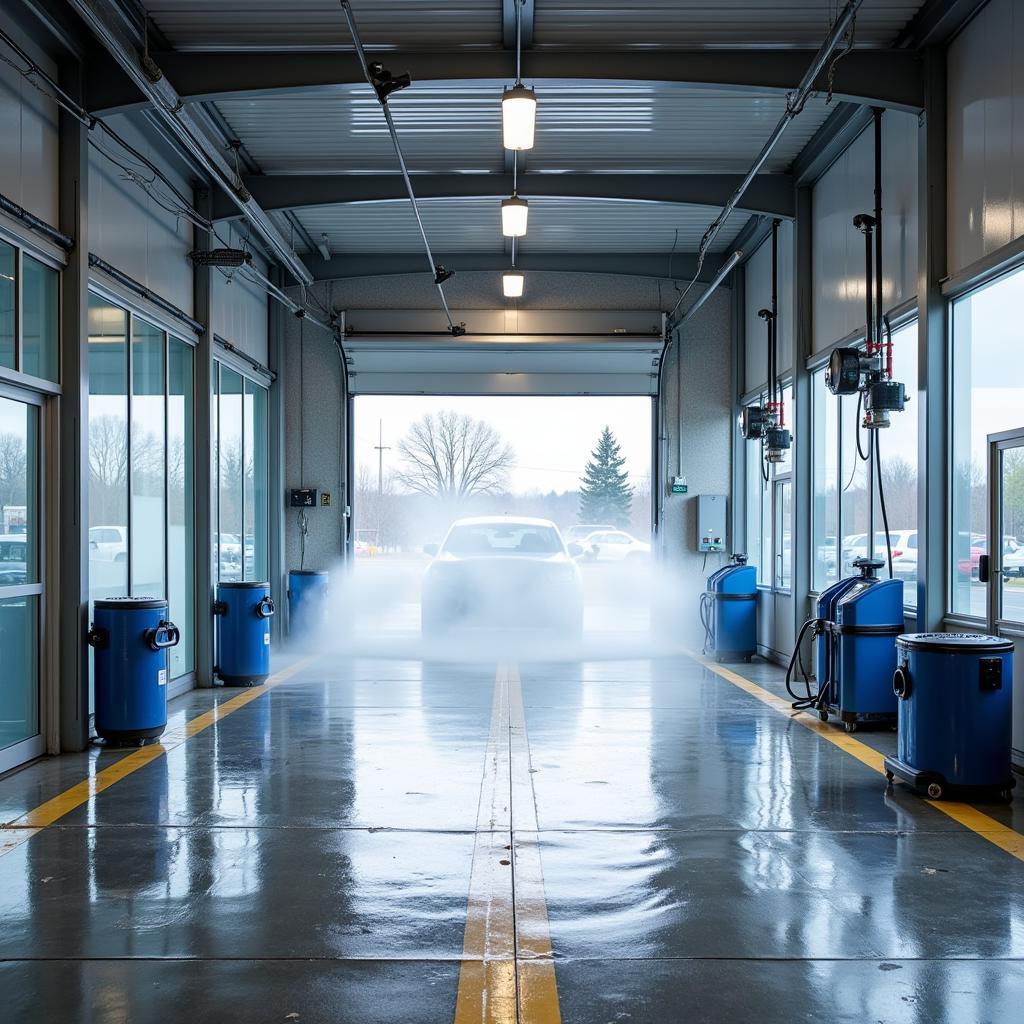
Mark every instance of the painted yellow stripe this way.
pixel 34 821
pixel 970 817
pixel 507 971
pixel 535 965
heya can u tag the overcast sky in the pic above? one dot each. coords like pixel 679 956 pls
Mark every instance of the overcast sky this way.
pixel 552 437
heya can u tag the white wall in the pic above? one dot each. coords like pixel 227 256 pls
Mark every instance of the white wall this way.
pixel 240 304
pixel 843 191
pixel 985 154
pixel 758 295
pixel 130 230
pixel 28 135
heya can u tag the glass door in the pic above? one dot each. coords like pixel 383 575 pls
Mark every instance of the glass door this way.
pixel 21 577
pixel 1001 554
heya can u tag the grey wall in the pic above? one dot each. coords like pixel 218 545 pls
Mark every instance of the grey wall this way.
pixel 843 191
pixel 707 383
pixel 28 134
pixel 313 405
pixel 240 304
pixel 985 149
pixel 131 230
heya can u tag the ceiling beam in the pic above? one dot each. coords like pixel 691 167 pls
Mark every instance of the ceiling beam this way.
pixel 508 23
pixel 630 264
pixel 770 194
pixel 937 22
pixel 888 78
pixel 830 141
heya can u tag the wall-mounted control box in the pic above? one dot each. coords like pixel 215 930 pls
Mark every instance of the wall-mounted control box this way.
pixel 303 497
pixel 711 522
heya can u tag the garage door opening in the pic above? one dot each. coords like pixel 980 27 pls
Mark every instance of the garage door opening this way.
pixel 477 519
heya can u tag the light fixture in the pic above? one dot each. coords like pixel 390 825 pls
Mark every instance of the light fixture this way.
pixel 220 257
pixel 518 117
pixel 512 284
pixel 514 214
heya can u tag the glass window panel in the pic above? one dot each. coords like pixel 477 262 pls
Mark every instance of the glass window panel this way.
pixel 19 681
pixel 898 451
pixel 784 534
pixel 825 483
pixel 148 454
pixel 1011 516
pixel 757 552
pixel 108 449
pixel 8 293
pixel 853 481
pixel 180 506
pixel 19 494
pixel 987 397
pixel 40 298
pixel 231 489
pixel 256 470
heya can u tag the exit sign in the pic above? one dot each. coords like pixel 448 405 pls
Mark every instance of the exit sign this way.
pixel 679 485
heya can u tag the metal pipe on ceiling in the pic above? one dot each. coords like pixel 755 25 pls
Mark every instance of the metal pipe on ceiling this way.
pixel 794 105
pixel 722 274
pixel 381 91
pixel 169 106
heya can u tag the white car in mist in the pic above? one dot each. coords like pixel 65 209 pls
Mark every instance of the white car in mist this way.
pixel 615 546
pixel 502 572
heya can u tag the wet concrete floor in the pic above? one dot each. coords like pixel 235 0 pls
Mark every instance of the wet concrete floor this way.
pixel 594 841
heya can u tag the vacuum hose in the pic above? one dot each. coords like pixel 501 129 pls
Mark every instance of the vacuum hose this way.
pixel 808 700
pixel 707 621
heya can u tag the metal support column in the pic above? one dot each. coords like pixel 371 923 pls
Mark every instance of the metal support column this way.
pixel 803 497
pixel 205 467
pixel 738 452
pixel 73 556
pixel 932 349
pixel 276 426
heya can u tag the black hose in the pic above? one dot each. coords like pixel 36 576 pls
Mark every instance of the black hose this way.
pixel 860 450
pixel 809 700
pixel 706 620
pixel 881 504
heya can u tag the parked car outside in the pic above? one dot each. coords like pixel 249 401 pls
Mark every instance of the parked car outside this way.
pixel 13 560
pixel 614 546
pixel 108 543
pixel 579 533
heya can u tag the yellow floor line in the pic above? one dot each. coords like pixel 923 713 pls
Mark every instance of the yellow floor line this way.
pixel 1006 838
pixel 535 965
pixel 487 977
pixel 33 822
pixel 507 971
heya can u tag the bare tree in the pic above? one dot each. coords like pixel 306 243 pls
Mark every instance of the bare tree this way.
pixel 453 457
pixel 13 472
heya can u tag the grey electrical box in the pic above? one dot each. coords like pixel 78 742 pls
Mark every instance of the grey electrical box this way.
pixel 711 522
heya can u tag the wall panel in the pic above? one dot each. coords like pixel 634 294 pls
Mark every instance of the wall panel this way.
pixel 28 134
pixel 240 305
pixel 986 134
pixel 843 191
pixel 758 295
pixel 132 230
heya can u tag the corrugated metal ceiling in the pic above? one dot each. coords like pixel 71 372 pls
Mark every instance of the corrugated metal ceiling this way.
pixel 452 24
pixel 556 225
pixel 321 25
pixel 454 126
pixel 702 23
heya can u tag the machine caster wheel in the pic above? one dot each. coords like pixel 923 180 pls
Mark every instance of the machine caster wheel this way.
pixel 889 776
pixel 850 726
pixel 1006 796
pixel 823 715
pixel 935 791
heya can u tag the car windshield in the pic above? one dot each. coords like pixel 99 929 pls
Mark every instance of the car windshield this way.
pixel 503 539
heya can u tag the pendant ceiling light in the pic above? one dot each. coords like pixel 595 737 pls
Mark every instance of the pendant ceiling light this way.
pixel 512 284
pixel 518 104
pixel 514 214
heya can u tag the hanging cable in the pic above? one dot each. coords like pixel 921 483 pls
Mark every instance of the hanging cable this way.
pixel 795 102
pixel 383 84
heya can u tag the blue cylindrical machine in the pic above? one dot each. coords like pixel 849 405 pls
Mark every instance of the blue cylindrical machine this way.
pixel 869 617
pixel 825 611
pixel 307 601
pixel 954 692
pixel 130 637
pixel 729 611
pixel 244 611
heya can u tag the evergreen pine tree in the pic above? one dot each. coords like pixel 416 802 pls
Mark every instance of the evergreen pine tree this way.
pixel 605 493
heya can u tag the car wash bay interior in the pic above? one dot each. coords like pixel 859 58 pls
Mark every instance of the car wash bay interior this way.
pixel 209 256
